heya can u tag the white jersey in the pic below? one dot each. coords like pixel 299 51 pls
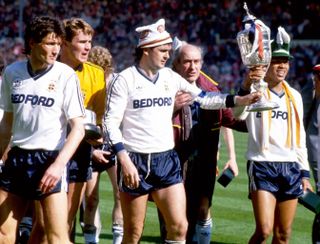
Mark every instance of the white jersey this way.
pixel 139 110
pixel 41 104
pixel 277 150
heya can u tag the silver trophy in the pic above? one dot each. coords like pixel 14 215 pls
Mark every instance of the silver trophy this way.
pixel 255 48
pixel 92 131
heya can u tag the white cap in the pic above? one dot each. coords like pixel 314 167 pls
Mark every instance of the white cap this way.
pixel 153 35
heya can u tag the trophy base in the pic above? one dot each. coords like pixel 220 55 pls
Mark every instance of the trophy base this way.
pixel 262 106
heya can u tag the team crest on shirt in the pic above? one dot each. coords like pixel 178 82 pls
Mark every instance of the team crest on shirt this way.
pixel 17 83
pixel 166 86
pixel 52 86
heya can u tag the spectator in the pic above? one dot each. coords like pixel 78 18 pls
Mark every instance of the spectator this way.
pixel 209 23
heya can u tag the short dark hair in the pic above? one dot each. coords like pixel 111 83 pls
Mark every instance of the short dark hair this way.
pixel 39 27
pixel 138 54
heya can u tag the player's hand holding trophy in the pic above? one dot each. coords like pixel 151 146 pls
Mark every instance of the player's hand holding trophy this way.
pixel 255 48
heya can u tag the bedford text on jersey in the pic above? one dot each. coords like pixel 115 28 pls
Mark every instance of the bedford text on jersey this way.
pixel 152 102
pixel 32 99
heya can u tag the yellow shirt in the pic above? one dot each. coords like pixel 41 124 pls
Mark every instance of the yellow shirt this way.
pixel 93 87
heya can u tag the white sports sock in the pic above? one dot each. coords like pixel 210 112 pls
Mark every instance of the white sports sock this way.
pixel 174 242
pixel 203 231
pixel 117 231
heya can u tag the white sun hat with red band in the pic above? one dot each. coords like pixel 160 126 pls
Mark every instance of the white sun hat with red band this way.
pixel 153 35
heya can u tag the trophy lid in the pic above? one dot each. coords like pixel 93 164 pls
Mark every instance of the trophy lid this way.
pixel 248 17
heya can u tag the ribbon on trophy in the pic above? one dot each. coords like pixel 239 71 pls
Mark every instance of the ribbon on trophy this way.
pixel 255 49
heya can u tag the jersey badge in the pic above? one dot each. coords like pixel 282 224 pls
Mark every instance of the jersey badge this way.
pixel 17 83
pixel 52 86
pixel 166 86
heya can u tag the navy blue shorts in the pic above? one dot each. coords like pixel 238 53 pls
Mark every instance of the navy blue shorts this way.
pixel 23 170
pixel 156 171
pixel 282 179
pixel 100 167
pixel 79 166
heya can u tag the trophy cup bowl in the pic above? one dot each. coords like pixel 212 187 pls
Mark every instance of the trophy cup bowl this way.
pixel 92 131
pixel 255 48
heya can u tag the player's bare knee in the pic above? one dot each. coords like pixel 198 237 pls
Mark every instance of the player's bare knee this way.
pixel 178 230
pixel 133 233
pixel 283 235
pixel 264 231
pixel 92 204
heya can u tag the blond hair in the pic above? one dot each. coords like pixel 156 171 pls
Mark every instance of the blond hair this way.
pixel 101 56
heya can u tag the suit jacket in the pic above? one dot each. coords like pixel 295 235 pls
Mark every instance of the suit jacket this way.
pixel 203 138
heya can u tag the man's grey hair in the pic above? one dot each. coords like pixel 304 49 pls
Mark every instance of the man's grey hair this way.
pixel 177 52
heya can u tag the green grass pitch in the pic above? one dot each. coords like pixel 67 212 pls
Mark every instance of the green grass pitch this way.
pixel 231 210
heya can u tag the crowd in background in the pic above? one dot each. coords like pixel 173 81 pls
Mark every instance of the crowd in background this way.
pixel 212 24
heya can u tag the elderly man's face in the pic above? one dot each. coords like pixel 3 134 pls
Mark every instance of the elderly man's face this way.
pixel 189 63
